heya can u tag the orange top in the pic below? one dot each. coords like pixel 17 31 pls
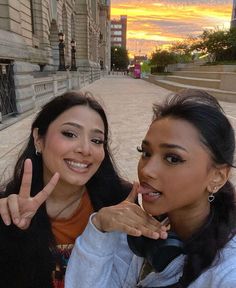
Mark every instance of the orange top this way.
pixel 67 230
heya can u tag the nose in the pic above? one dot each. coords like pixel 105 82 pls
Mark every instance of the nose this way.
pixel 149 169
pixel 83 146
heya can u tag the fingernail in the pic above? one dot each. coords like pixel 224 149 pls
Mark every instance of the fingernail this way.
pixel 156 235
pixel 163 235
pixel 7 222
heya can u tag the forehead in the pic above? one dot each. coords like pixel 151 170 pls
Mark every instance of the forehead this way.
pixel 171 130
pixel 80 114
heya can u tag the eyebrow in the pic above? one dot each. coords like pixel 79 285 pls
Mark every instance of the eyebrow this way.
pixel 78 126
pixel 166 145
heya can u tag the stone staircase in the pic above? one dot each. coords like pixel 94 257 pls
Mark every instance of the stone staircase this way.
pixel 218 80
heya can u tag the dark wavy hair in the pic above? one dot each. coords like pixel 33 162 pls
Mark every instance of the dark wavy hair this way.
pixel 205 113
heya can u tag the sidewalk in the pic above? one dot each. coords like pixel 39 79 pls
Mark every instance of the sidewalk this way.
pixel 128 103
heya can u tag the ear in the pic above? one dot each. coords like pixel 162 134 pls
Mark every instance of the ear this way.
pixel 219 177
pixel 37 140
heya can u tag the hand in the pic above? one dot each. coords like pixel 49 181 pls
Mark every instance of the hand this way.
pixel 129 218
pixel 20 208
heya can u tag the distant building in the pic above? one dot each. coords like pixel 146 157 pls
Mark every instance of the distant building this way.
pixel 119 31
pixel 233 17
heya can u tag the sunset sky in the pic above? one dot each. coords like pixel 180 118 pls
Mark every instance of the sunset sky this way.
pixel 152 23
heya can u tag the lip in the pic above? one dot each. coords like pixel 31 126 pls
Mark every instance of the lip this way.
pixel 149 193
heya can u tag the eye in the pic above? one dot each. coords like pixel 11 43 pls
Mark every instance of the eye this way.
pixel 98 141
pixel 174 159
pixel 69 134
pixel 143 152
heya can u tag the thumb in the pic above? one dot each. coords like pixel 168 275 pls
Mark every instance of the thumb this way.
pixel 134 193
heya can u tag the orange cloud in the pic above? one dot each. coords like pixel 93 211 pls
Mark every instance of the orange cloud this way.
pixel 152 24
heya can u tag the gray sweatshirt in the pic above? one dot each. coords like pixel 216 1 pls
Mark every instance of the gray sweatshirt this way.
pixel 104 260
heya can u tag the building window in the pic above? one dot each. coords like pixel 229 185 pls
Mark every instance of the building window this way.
pixel 116 39
pixel 32 16
pixel 116 26
pixel 116 33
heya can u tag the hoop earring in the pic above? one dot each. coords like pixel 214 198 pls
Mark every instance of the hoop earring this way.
pixel 211 197
pixel 37 153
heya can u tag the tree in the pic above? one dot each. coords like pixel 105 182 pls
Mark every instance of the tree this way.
pixel 162 58
pixel 215 43
pixel 119 58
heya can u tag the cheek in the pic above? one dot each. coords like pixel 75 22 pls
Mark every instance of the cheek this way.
pixel 99 155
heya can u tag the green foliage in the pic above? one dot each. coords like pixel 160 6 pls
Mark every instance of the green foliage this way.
pixel 119 58
pixel 220 45
pixel 183 50
pixel 146 68
pixel 162 58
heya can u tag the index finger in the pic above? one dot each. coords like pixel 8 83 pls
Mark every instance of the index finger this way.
pixel 47 190
pixel 25 186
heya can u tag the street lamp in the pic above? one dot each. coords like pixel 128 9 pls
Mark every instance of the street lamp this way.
pixel 73 61
pixel 61 46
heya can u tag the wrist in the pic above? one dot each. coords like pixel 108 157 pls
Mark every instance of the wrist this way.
pixel 96 222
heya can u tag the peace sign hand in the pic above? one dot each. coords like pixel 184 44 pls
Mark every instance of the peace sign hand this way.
pixel 20 208
pixel 129 218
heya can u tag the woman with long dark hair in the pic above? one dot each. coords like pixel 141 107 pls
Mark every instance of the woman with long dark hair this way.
pixel 183 171
pixel 64 173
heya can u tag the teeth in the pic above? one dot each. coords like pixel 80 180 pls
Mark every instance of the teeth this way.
pixel 154 194
pixel 77 165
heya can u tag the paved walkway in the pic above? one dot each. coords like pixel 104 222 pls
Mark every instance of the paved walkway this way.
pixel 128 103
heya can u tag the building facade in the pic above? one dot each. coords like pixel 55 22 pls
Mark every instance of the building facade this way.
pixel 233 17
pixel 119 31
pixel 30 56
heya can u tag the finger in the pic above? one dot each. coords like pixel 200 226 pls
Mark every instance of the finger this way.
pixel 25 186
pixel 5 212
pixel 13 207
pixel 47 190
pixel 124 228
pixel 24 223
pixel 134 193
pixel 150 233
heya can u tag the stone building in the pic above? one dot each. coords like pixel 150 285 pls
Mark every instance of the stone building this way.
pixel 29 50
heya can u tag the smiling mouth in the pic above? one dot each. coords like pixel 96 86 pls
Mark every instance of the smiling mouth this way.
pixel 77 165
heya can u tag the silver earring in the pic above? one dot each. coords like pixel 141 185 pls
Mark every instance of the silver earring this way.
pixel 37 153
pixel 211 197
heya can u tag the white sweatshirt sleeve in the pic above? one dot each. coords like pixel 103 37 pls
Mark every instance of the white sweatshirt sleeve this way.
pixel 94 263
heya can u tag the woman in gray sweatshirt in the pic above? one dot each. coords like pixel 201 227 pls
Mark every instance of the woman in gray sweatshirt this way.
pixel 183 172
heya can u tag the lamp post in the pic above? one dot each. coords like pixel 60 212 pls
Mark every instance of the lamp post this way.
pixel 61 52
pixel 73 61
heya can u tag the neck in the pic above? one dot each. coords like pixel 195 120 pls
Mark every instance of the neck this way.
pixel 63 191
pixel 185 224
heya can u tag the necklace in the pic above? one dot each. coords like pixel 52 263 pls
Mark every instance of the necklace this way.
pixel 69 204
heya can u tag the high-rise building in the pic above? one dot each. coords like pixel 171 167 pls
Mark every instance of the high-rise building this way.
pixel 233 17
pixel 119 31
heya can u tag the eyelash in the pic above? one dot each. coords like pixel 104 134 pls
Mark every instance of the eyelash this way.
pixel 177 159
pixel 70 134
pixel 98 141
